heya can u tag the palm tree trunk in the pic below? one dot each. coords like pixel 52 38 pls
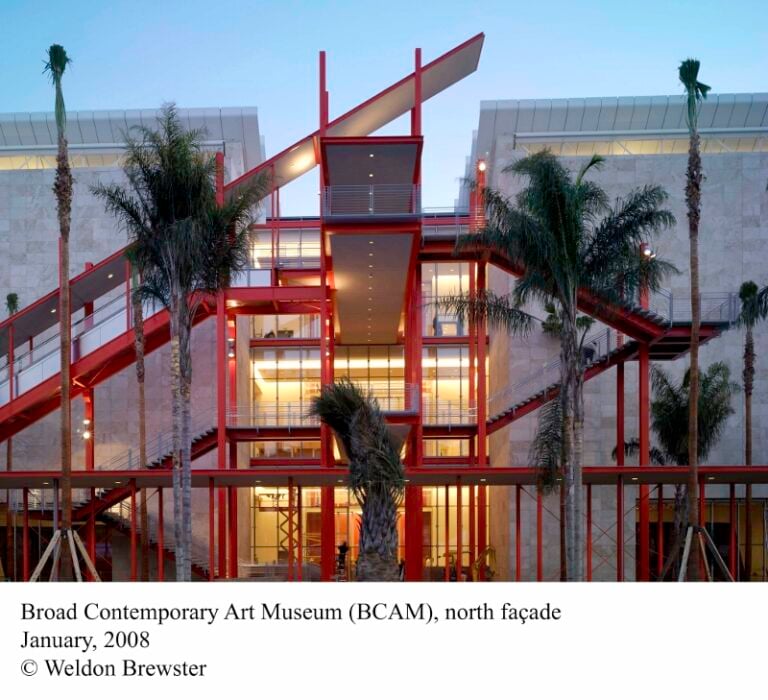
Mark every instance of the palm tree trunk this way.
pixel 693 200
pixel 138 329
pixel 573 423
pixel 63 190
pixel 176 432
pixel 186 456
pixel 10 554
pixel 749 378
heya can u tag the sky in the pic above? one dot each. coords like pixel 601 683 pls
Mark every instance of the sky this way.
pixel 131 54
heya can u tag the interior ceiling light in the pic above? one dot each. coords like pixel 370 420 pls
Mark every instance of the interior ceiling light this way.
pixel 370 174
pixel 110 275
pixel 370 155
pixel 370 242
pixel 53 311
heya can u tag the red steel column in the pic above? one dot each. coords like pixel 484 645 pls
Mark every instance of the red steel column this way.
pixel 91 534
pixel 472 531
pixel 643 562
pixel 233 490
pixel 134 557
pixel 620 414
pixel 659 530
pixel 733 527
pixel 539 540
pixel 414 550
pixel 620 528
pixel 589 532
pixel 211 530
pixel 89 425
pixel 221 389
pixel 221 422
pixel 291 549
pixel 414 518
pixel 25 537
pixel 232 513
pixel 327 495
pixel 482 456
pixel 518 532
pixel 160 536
pixel 299 536
pixel 447 535
pixel 459 528
pixel 416 111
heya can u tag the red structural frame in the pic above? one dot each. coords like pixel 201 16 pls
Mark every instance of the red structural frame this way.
pixel 313 291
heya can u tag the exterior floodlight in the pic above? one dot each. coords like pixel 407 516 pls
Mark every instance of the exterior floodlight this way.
pixel 481 166
pixel 86 435
pixel 648 252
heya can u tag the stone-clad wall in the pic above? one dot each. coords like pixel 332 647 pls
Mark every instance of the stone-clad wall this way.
pixel 733 248
pixel 29 266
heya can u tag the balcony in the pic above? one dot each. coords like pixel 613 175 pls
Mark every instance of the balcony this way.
pixel 371 202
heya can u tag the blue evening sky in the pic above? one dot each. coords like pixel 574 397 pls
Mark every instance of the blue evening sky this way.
pixel 141 53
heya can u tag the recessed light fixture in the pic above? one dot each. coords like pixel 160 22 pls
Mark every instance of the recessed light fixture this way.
pixel 45 483
pixel 110 275
pixel 370 267
pixel 711 478
pixel 370 242
pixel 370 255
pixel 53 311
pixel 118 482
pixel 370 155
pixel 634 478
pixel 483 480
pixel 370 174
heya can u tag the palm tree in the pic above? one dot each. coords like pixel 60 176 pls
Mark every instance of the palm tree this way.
pixel 670 411
pixel 565 236
pixel 185 247
pixel 62 187
pixel 695 91
pixel 754 308
pixel 376 472
pixel 138 342
pixel 12 307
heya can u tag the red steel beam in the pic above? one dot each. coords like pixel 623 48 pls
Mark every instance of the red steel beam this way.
pixel 620 529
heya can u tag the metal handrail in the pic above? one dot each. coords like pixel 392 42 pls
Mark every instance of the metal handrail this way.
pixel 355 201
pixel 596 348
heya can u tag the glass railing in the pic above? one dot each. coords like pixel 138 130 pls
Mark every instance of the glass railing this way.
pixel 43 360
pixel 448 412
pixel 252 277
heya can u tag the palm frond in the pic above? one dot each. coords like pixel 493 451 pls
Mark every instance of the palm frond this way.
pixel 632 448
pixel 486 306
pixel 695 90
pixel 12 303
pixel 56 65
pixel 546 450
pixel 754 305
